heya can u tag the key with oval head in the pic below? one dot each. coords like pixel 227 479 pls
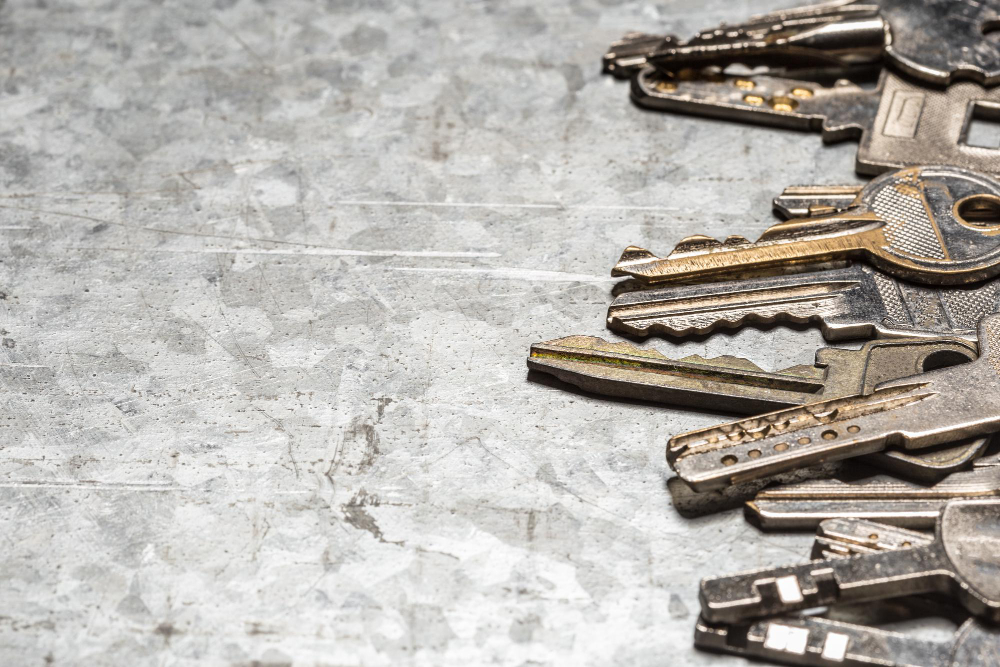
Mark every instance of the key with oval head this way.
pixel 962 562
pixel 937 41
pixel 815 642
pixel 912 413
pixel 927 224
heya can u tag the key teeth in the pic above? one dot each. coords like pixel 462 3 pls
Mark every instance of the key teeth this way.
pixel 632 257
pixel 701 243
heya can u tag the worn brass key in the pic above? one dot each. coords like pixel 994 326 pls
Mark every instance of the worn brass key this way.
pixel 928 224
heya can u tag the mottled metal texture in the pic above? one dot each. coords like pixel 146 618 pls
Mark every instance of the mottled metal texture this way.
pixel 269 275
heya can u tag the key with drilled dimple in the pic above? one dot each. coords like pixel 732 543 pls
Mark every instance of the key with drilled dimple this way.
pixel 937 41
pixel 805 504
pixel 963 562
pixel 899 123
pixel 934 225
pixel 930 409
pixel 814 641
pixel 843 538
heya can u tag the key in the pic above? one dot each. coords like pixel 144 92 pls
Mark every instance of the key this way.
pixel 814 641
pixel 737 385
pixel 847 303
pixel 936 41
pixel 847 488
pixel 628 55
pixel 899 123
pixel 842 538
pixel 933 408
pixel 882 498
pixel 962 562
pixel 935 225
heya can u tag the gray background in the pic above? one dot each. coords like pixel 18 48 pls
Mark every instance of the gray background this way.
pixel 270 272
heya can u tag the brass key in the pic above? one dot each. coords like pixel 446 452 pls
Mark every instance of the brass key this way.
pixel 934 225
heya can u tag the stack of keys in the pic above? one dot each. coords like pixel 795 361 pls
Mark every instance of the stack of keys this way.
pixel 935 64
pixel 872 446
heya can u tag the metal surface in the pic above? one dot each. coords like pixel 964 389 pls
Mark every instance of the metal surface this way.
pixel 842 538
pixel 804 505
pixel 931 409
pixel 733 385
pixel 815 642
pixel 961 562
pixel 898 123
pixel 918 223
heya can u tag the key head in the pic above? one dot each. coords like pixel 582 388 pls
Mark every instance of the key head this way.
pixel 969 530
pixel 942 40
pixel 976 644
pixel 936 220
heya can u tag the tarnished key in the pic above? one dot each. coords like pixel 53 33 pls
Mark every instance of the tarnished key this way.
pixel 899 123
pixel 735 385
pixel 814 642
pixel 934 40
pixel 963 562
pixel 847 303
pixel 804 505
pixel 933 408
pixel 842 538
pixel 935 225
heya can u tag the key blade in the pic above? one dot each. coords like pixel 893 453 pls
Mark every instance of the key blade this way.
pixel 842 538
pixel 788 439
pixel 811 641
pixel 802 201
pixel 812 296
pixel 882 498
pixel 842 111
pixel 624 370
pixel 628 55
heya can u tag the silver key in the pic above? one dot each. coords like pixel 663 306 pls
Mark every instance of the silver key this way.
pixel 882 498
pixel 899 123
pixel 937 41
pixel 815 642
pixel 930 409
pixel 851 302
pixel 842 538
pixel 962 562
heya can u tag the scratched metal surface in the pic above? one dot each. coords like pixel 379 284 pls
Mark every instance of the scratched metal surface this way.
pixel 269 275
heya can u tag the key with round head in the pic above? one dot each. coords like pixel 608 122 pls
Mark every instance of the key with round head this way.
pixel 962 562
pixel 818 642
pixel 925 410
pixel 935 225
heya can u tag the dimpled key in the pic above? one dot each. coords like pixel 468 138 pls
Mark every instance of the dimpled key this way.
pixel 963 562
pixel 935 225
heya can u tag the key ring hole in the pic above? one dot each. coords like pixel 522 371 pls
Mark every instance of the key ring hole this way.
pixel 979 212
pixel 943 359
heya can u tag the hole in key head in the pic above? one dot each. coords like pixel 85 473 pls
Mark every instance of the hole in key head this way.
pixel 982 125
pixel 729 460
pixel 754 453
pixel 979 212
pixel 781 447
pixel 804 440
pixel 853 429
pixel 829 434
pixel 943 359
